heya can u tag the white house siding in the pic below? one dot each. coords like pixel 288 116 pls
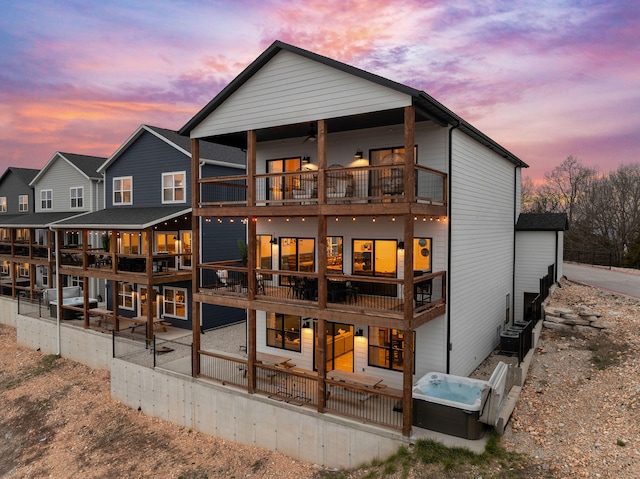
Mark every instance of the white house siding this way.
pixel 60 177
pixel 535 251
pixel 294 89
pixel 482 242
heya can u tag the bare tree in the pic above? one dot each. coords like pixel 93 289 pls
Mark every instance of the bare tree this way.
pixel 564 186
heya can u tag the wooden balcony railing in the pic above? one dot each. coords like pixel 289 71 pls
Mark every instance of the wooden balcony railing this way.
pixel 343 291
pixel 370 184
pixel 97 258
pixel 300 387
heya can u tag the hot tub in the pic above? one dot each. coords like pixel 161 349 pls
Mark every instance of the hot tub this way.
pixel 450 404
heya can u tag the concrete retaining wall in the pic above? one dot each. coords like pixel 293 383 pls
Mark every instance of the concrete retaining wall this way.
pixel 250 419
pixel 8 311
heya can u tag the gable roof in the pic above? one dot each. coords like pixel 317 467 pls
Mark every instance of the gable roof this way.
pixel 25 174
pixel 219 154
pixel 86 165
pixel 427 107
pixel 542 222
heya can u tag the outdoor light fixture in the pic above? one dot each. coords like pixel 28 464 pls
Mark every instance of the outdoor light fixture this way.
pixel 401 245
pixel 358 155
pixel 306 159
pixel 306 325
pixel 359 332
pixel 274 240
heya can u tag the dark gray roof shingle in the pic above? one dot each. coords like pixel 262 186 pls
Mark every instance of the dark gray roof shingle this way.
pixel 542 222
pixel 124 218
pixel 87 164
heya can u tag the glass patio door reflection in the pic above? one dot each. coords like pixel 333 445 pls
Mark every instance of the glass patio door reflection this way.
pixel 339 347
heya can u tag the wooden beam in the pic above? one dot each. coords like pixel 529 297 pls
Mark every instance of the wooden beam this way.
pixel 322 161
pixel 251 167
pixel 409 150
pixel 407 382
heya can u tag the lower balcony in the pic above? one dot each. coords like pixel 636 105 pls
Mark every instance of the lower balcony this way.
pixel 343 292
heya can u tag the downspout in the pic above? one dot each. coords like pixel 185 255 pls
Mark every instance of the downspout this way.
pixel 449 345
pixel 555 260
pixel 515 219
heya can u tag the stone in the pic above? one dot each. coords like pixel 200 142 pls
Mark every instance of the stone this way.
pixel 555 310
pixel 588 312
pixel 581 322
pixel 557 326
pixel 553 319
pixel 570 316
pixel 600 324
pixel 586 329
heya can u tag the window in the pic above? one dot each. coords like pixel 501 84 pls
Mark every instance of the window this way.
pixel 173 187
pixel 4 267
pixel 386 348
pixel 3 204
pixel 22 235
pixel 23 270
pixel 5 234
pixel 166 242
pixel 76 281
pixel 72 238
pixel 125 296
pixel 175 302
pixel 46 199
pixel 375 258
pixel 122 190
pixel 41 237
pixel 283 331
pixel 77 197
pixel 297 254
pixel 334 254
pixel 23 203
pixel 264 256
pixel 185 249
pixel 280 187
pixel 130 243
pixel 45 275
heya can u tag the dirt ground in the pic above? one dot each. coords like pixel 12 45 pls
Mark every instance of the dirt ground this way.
pixel 573 419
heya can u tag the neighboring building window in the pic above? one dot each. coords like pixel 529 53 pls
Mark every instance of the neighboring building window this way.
pixel 5 234
pixel 46 199
pixel 23 203
pixel 4 267
pixel 185 249
pixel 41 237
pixel 283 331
pixel 125 296
pixel 123 190
pixel 129 243
pixel 166 242
pixel 22 235
pixel 72 238
pixel 386 348
pixel 3 204
pixel 77 197
pixel 173 187
pixel 175 302
pixel 23 270
pixel 76 281
pixel 45 276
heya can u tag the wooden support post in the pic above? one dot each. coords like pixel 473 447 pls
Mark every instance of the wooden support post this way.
pixel 407 367
pixel 251 350
pixel 409 153
pixel 195 255
pixel 322 162
pixel 407 382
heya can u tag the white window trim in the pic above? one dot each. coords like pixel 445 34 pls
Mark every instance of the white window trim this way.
pixel 164 303
pixel 123 294
pixel 44 199
pixel 173 188
pixel 23 203
pixel 3 204
pixel 81 197
pixel 113 185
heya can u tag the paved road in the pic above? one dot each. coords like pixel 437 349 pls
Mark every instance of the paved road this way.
pixel 617 281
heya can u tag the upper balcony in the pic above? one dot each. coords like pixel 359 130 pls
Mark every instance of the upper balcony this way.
pixel 368 185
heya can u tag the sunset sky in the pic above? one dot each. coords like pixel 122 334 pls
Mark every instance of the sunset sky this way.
pixel 546 79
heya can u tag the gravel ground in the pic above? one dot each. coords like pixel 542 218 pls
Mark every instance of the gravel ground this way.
pixel 573 418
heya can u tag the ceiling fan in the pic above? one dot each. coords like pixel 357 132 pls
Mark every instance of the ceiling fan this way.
pixel 311 136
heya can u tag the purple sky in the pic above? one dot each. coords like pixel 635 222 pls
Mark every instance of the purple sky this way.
pixel 545 79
